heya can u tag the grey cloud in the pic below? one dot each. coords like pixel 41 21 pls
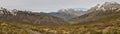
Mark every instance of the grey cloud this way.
pixel 36 5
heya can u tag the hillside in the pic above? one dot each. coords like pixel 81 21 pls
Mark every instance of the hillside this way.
pixel 98 13
pixel 30 17
pixel 106 25
pixel 101 19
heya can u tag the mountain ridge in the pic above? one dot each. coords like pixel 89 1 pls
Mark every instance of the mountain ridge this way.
pixel 32 18
pixel 68 13
pixel 96 13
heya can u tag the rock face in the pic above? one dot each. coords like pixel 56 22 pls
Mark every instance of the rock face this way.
pixel 30 17
pixel 98 12
pixel 110 6
pixel 4 11
pixel 68 13
pixel 106 6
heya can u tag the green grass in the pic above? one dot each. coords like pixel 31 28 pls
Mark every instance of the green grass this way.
pixel 107 25
pixel 111 27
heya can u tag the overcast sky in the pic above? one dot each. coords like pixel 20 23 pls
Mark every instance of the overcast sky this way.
pixel 50 5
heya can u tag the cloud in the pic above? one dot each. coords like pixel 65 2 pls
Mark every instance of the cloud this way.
pixel 37 5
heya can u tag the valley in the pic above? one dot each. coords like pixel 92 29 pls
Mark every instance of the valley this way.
pixel 101 19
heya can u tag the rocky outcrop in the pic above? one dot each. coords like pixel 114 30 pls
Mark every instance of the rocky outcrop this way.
pixel 105 6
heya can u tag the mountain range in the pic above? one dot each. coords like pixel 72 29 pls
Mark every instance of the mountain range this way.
pixel 30 17
pixel 63 16
pixel 68 13
pixel 100 19
pixel 98 12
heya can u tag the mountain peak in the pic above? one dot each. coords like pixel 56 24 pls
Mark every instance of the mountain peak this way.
pixel 110 6
pixel 106 6
pixel 111 3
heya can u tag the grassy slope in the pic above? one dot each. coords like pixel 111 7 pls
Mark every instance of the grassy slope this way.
pixel 107 25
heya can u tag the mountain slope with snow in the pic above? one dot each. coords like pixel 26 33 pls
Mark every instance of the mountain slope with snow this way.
pixel 96 13
pixel 68 13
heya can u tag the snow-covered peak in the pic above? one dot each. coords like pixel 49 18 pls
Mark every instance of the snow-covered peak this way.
pixel 105 6
pixel 4 11
pixel 108 3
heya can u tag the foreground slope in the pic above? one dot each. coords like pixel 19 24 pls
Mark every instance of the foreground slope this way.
pixel 106 25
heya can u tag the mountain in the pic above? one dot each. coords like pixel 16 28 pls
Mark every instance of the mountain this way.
pixel 105 6
pixel 107 9
pixel 68 13
pixel 101 19
pixel 30 17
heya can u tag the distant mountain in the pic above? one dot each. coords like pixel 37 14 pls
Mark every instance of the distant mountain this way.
pixel 68 13
pixel 105 6
pixel 30 17
pixel 101 19
pixel 98 12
